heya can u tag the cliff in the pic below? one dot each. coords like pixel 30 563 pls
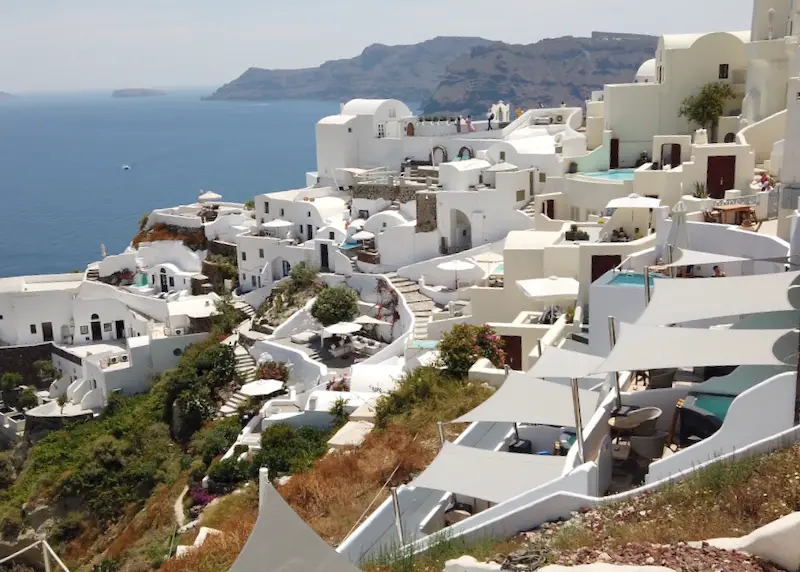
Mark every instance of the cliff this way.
pixel 137 92
pixel 550 71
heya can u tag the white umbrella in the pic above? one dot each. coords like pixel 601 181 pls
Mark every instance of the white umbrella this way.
pixel 209 196
pixel 549 289
pixel 277 223
pixel 363 235
pixel 633 201
pixel 488 258
pixel 261 387
pixel 369 321
pixel 456 266
pixel 342 329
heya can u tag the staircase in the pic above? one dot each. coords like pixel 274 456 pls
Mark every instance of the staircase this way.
pixel 421 306
pixel 93 273
pixel 230 407
pixel 530 210
pixel 240 304
pixel 245 364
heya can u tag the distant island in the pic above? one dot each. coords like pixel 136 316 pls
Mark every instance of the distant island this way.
pixel 459 75
pixel 5 95
pixel 137 92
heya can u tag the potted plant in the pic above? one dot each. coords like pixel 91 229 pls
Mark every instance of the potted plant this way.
pixel 573 167
pixel 576 234
pixel 699 190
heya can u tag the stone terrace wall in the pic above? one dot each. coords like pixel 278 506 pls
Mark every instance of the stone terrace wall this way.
pixel 400 193
pixel 20 359
pixel 426 212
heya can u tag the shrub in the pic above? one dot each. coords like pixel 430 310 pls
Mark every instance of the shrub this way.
pixel 227 474
pixel 708 105
pixel 339 411
pixel 9 383
pixel 285 449
pixel 214 439
pixel 27 399
pixel 250 205
pixel 337 304
pixel 6 472
pixel 303 275
pixel 462 346
pixel 143 221
pixel 274 370
pixel 200 495
pixel 67 528
pixel 227 318
pixel 45 370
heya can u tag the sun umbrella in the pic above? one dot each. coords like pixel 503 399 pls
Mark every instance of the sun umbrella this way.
pixel 363 235
pixel 488 258
pixel 456 266
pixel 209 196
pixel 549 289
pixel 261 387
pixel 342 329
pixel 369 320
pixel 277 223
pixel 633 201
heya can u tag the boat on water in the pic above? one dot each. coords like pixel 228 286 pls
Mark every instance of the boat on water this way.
pixel 126 167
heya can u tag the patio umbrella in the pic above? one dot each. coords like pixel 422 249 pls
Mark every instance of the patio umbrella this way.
pixel 633 201
pixel 342 329
pixel 456 266
pixel 369 321
pixel 209 196
pixel 363 235
pixel 488 258
pixel 277 223
pixel 261 387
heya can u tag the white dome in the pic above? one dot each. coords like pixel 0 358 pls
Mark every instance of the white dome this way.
pixel 647 72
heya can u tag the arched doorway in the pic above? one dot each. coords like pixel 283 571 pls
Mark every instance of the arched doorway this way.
pixel 730 138
pixel 460 231
pixel 470 154
pixel 438 155
pixel 410 130
pixel 280 268
pixel 97 328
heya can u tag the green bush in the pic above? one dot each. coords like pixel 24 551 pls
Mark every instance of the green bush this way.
pixel 462 346
pixel 303 275
pixel 214 439
pixel 250 205
pixel 27 398
pixel 285 449
pixel 227 474
pixel 6 472
pixel 227 318
pixel 45 370
pixel 9 383
pixel 337 304
pixel 68 528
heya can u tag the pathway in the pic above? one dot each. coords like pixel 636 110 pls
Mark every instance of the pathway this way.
pixel 180 517
pixel 421 306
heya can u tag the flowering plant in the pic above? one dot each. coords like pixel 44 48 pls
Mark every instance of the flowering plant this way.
pixel 462 346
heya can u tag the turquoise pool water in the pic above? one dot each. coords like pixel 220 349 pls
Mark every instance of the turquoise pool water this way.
pixel 717 405
pixel 499 269
pixel 614 175
pixel 425 344
pixel 632 279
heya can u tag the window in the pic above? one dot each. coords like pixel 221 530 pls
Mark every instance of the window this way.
pixel 384 225
pixel 177 352
pixel 95 317
pixel 1 316
pixel 798 96
pixel 266 207
pixel 152 278
pixel 253 280
pixel 723 71
pixel 33 328
pixel 244 276
pixel 261 253
pixel 331 236
pixel 84 330
pixel 363 214
pixel 171 282
pixel 502 155
pixel 381 130
pixel 521 195
pixel 107 327
pixel 392 113
pixel 309 213
pixel 660 74
pixel 542 177
pixel 282 212
pixel 349 129
pixel 730 138
pixel 244 255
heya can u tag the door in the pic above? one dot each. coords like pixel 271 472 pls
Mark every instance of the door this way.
pixel 410 130
pixel 47 331
pixel 721 175
pixel 549 208
pixel 614 157
pixel 513 348
pixel 164 284
pixel 309 232
pixel 675 155
pixel 97 331
pixel 602 263
pixel 120 327
pixel 323 254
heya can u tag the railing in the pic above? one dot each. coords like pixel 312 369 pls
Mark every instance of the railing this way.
pixel 48 556
pixel 749 200
pixel 66 355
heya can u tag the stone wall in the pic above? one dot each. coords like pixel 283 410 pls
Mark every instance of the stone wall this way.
pixel 372 191
pixel 426 212
pixel 20 359
pixel 222 248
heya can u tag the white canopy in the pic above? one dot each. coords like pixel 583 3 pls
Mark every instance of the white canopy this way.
pixel 641 348
pixel 342 329
pixel 282 542
pixel 209 196
pixel 456 266
pixel 370 321
pixel 261 387
pixel 633 201
pixel 276 223
pixel 689 299
pixel 488 258
pixel 363 235
pixel 685 257
pixel 558 362
pixel 525 399
pixel 494 476
pixel 549 289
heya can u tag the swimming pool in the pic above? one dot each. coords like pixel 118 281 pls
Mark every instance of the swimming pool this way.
pixel 614 175
pixel 631 279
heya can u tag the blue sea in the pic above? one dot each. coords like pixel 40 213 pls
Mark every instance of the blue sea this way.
pixel 63 190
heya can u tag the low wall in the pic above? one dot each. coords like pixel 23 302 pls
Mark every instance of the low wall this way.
pixel 299 321
pixel 304 369
pixel 428 268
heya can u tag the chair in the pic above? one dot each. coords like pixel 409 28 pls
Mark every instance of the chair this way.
pixel 649 446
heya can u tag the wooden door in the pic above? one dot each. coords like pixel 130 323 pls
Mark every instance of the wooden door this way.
pixel 323 254
pixel 675 155
pixel 513 348
pixel 549 208
pixel 410 130
pixel 721 175
pixel 47 331
pixel 602 263
pixel 614 158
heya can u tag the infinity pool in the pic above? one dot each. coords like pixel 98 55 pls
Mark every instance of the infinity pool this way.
pixel 632 279
pixel 614 175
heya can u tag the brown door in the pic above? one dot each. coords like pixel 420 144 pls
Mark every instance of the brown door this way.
pixel 549 208
pixel 675 155
pixel 410 130
pixel 721 175
pixel 513 348
pixel 614 159
pixel 602 263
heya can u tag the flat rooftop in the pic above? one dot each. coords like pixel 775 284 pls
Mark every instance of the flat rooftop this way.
pixel 94 348
pixel 531 239
pixel 41 283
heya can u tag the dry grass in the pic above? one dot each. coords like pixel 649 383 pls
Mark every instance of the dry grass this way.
pixel 435 558
pixel 228 507
pixel 159 232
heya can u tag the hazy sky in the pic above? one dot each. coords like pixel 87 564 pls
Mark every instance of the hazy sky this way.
pixel 48 45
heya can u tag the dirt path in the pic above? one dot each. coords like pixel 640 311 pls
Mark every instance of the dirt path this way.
pixel 180 517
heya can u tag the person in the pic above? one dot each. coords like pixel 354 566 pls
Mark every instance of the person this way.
pixel 519 112
pixel 458 124
pixel 764 181
pixel 470 126
pixel 491 116
pixel 541 105
pixel 622 234
pixel 637 234
pixel 718 273
pixel 563 104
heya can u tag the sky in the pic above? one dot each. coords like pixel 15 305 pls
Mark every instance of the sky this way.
pixel 81 45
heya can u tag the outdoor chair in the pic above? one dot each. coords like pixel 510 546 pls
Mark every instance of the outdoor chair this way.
pixel 650 446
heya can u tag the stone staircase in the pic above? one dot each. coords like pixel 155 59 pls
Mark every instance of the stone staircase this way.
pixel 93 273
pixel 245 364
pixel 421 306
pixel 530 210
pixel 240 304
pixel 230 407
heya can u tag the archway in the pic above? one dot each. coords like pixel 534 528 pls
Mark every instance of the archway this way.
pixel 164 284
pixel 410 130
pixel 97 328
pixel 438 155
pixel 280 268
pixel 730 138
pixel 460 231
pixel 470 154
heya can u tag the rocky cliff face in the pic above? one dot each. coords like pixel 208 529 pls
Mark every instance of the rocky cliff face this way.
pixel 409 73
pixel 550 71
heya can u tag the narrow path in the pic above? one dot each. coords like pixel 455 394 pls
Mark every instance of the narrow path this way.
pixel 421 306
pixel 180 517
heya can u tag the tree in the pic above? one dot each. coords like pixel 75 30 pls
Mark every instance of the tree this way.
pixel 337 304
pixel 250 205
pixel 45 370
pixel 62 401
pixel 9 383
pixel 303 275
pixel 27 399
pixel 706 107
pixel 462 346
pixel 227 317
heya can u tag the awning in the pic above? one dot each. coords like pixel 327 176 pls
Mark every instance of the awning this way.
pixel 209 196
pixel 282 542
pixel 685 257
pixel 689 299
pixel 558 362
pixel 633 201
pixel 261 387
pixel 549 289
pixel 525 399
pixel 276 223
pixel 489 475
pixel 642 348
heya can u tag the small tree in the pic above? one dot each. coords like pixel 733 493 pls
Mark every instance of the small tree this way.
pixel 45 370
pixel 9 383
pixel 143 221
pixel 706 107
pixel 227 317
pixel 303 275
pixel 62 401
pixel 250 205
pixel 462 346
pixel 27 399
pixel 337 304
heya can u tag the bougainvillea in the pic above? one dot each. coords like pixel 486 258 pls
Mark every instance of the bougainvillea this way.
pixel 273 370
pixel 462 346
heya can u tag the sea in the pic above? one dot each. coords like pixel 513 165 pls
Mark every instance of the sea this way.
pixel 63 192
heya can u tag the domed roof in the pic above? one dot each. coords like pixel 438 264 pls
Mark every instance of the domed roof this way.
pixel 647 70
